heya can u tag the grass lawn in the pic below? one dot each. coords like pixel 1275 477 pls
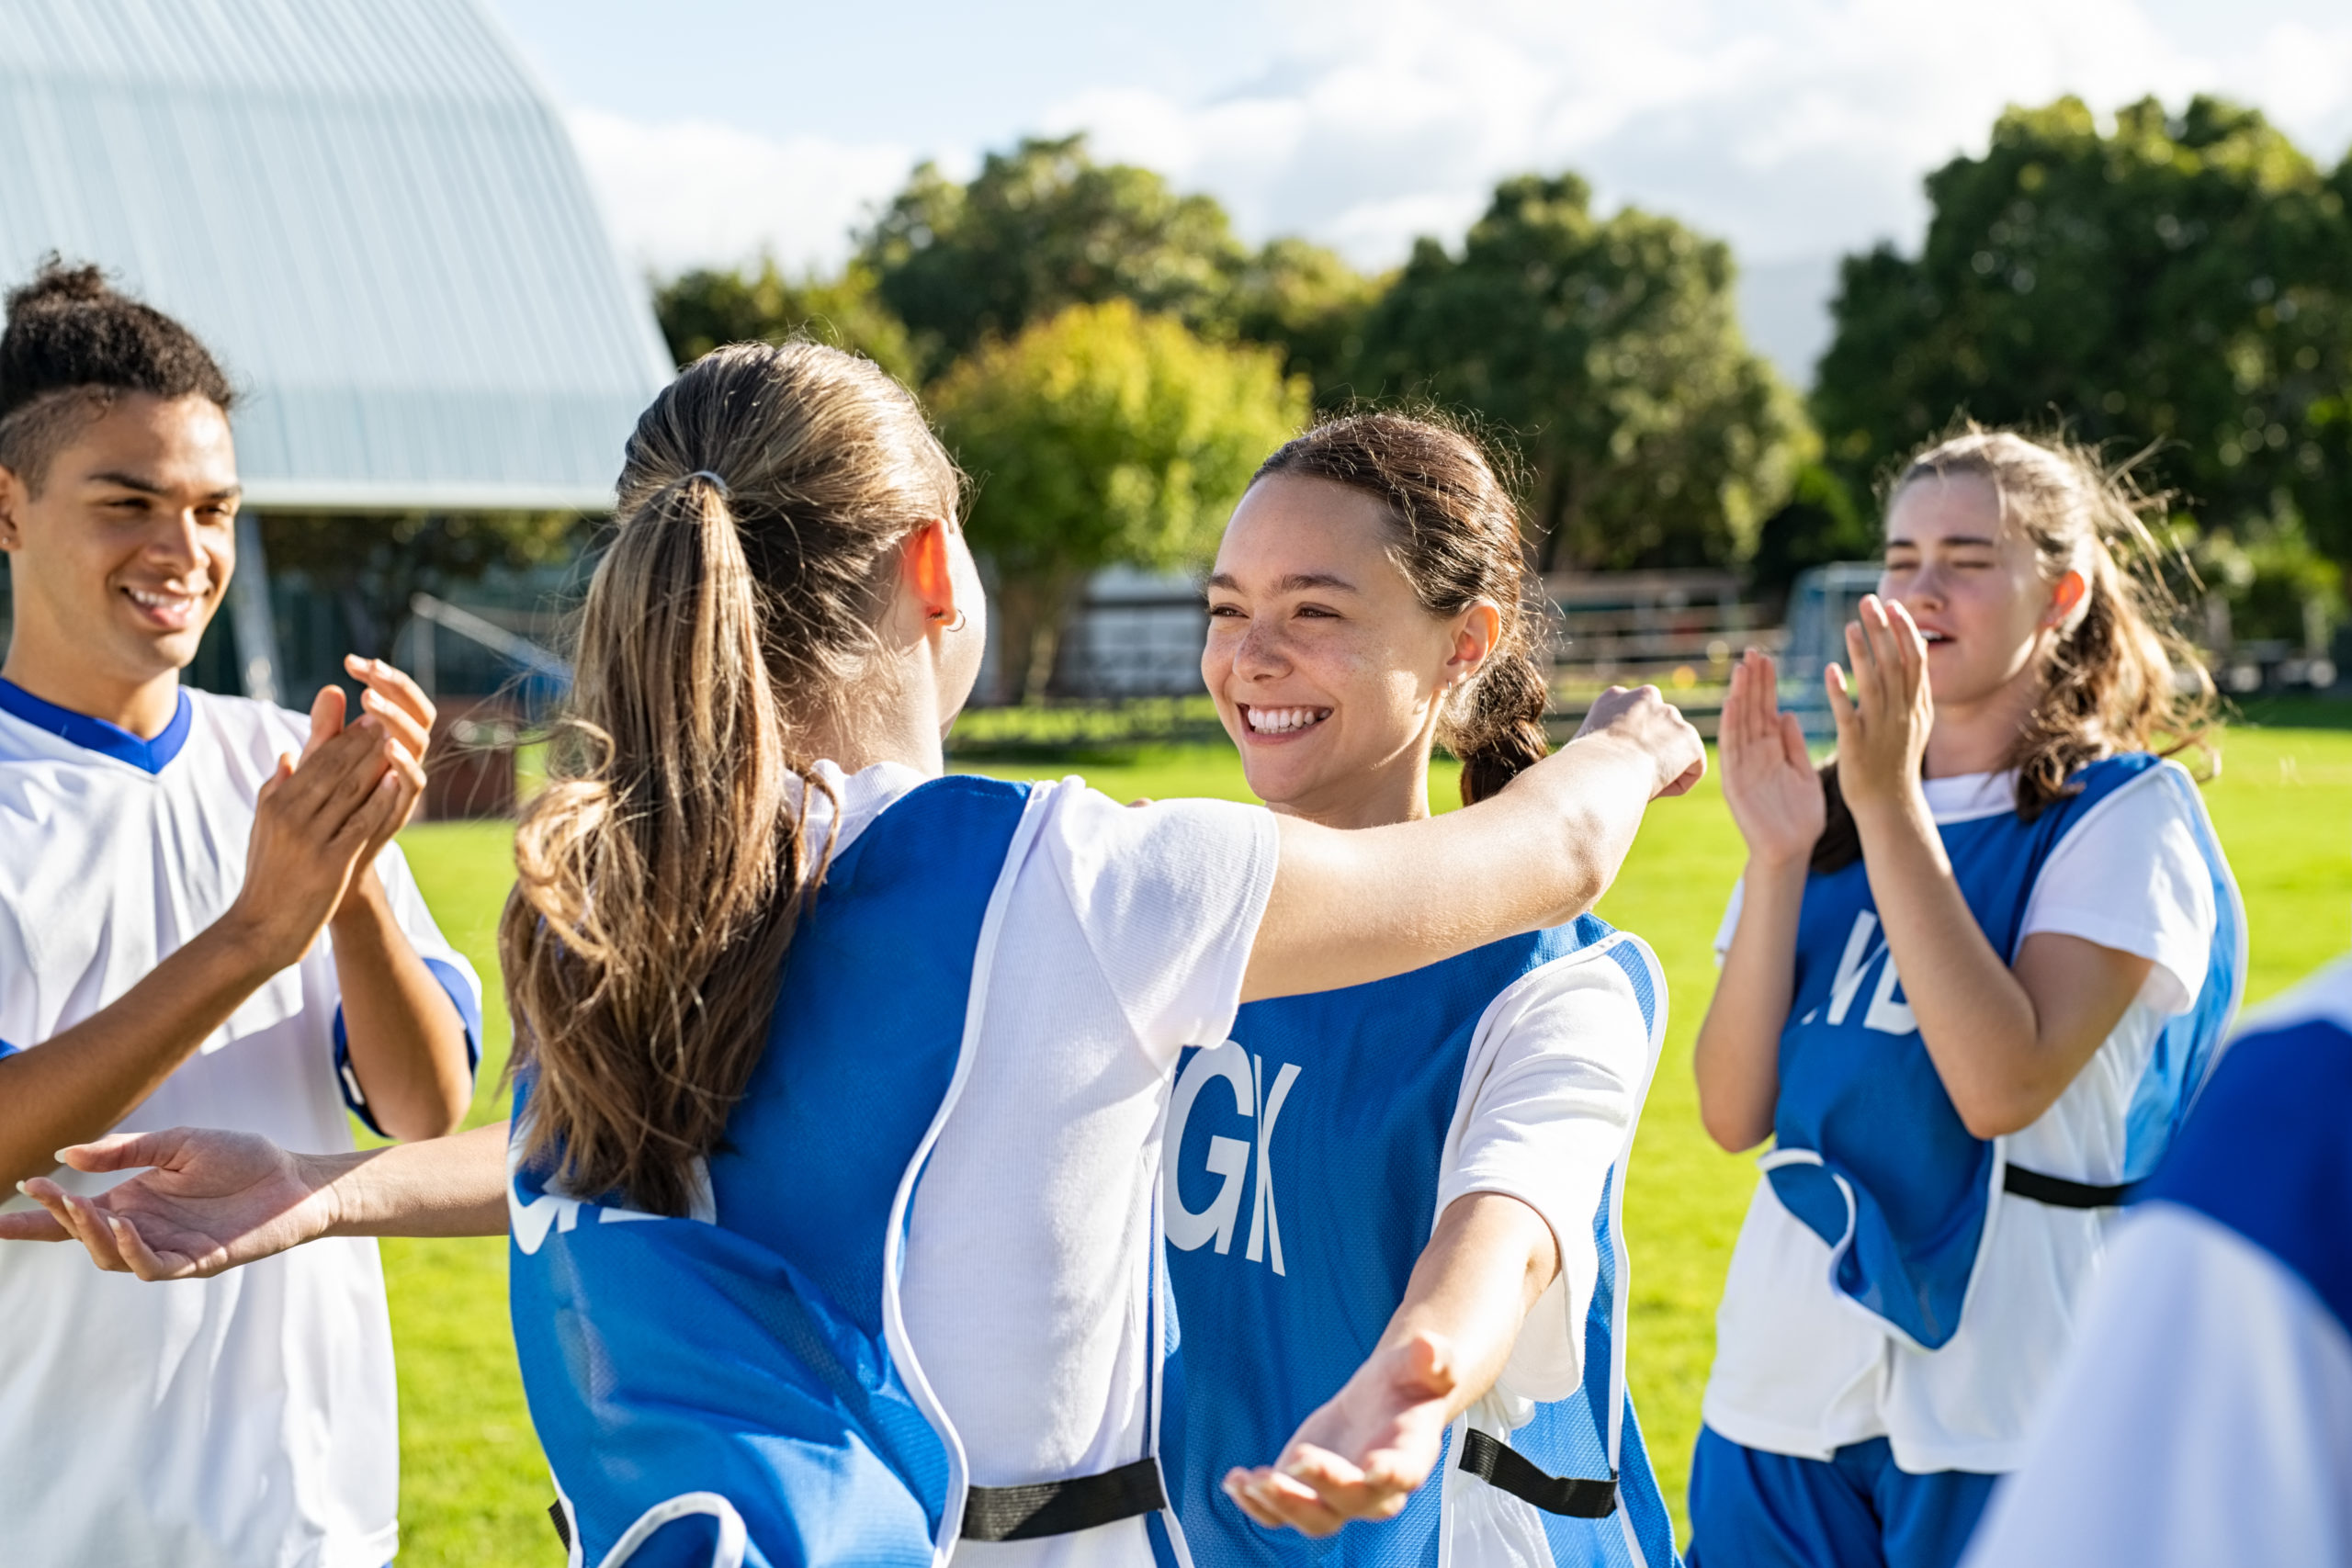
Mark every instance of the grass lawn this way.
pixel 474 1490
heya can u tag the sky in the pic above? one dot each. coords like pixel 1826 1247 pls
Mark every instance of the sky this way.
pixel 1797 130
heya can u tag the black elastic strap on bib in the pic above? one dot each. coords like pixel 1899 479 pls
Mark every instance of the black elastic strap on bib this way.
pixel 1500 1465
pixel 2060 1194
pixel 1057 1507
pixel 562 1523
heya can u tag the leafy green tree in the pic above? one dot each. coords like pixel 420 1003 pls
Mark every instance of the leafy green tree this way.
pixel 700 309
pixel 1040 228
pixel 1100 437
pixel 1611 349
pixel 1309 302
pixel 2183 280
pixel 1819 523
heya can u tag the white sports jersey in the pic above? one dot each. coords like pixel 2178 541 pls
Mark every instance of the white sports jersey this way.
pixel 2205 1413
pixel 1801 1370
pixel 245 1421
pixel 1030 1253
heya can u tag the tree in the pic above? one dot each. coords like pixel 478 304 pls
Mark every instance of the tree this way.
pixel 1103 435
pixel 1820 523
pixel 1306 301
pixel 1611 349
pixel 700 309
pixel 1043 227
pixel 2179 280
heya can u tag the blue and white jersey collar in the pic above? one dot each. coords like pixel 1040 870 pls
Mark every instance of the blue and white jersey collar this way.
pixel 97 734
pixel 1960 796
pixel 863 796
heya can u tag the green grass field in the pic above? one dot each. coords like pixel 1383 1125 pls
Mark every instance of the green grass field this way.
pixel 474 1490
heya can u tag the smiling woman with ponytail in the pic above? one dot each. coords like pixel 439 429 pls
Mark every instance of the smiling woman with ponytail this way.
pixel 1370 601
pixel 839 1080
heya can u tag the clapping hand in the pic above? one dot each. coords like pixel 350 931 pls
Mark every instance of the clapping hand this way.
pixel 1363 1453
pixel 1885 712
pixel 1769 781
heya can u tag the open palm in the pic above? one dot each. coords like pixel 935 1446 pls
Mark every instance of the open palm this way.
pixel 1769 781
pixel 210 1201
pixel 1365 1451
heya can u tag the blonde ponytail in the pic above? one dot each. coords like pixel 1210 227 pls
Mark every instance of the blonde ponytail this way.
pixel 661 872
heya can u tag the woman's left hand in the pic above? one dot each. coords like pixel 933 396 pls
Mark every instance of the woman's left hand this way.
pixel 1884 712
pixel 1365 1451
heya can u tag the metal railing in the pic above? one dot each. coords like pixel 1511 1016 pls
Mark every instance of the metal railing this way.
pixel 432 614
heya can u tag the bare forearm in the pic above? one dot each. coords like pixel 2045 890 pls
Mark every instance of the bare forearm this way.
pixel 454 1186
pixel 1349 907
pixel 84 1081
pixel 1977 1022
pixel 408 1045
pixel 1738 1059
pixel 1488 1261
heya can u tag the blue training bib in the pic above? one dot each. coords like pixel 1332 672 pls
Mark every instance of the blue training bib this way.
pixel 1869 1153
pixel 735 1387
pixel 1300 1186
pixel 2268 1152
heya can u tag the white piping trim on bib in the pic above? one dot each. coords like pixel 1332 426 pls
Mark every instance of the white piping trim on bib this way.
pixel 727 1553
pixel 1622 1269
pixel 894 1317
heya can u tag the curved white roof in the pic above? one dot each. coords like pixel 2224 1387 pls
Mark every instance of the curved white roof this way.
pixel 372 214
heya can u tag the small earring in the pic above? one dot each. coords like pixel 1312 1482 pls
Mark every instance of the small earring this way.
pixel 954 626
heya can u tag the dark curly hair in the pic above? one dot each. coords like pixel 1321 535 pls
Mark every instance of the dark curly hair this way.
pixel 72 344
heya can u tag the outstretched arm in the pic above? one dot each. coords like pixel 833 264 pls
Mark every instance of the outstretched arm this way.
pixel 1375 1441
pixel 1349 906
pixel 213 1200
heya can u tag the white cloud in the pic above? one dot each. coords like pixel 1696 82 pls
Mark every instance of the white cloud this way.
pixel 695 192
pixel 1796 129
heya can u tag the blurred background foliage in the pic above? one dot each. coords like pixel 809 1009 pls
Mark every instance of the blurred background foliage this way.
pixel 1097 436
pixel 2178 282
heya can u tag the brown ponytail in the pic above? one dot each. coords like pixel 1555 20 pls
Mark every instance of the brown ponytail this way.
pixel 1457 542
pixel 661 871
pixel 2121 676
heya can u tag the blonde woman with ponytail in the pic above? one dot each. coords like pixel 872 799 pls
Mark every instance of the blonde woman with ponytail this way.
pixel 1392 1211
pixel 833 1179
pixel 1973 974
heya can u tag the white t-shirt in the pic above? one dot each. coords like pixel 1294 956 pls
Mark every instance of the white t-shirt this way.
pixel 1799 1369
pixel 246 1421
pixel 1551 1092
pixel 2205 1416
pixel 1029 1255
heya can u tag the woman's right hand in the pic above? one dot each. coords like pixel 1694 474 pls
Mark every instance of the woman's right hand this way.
pixel 212 1201
pixel 1642 717
pixel 1769 781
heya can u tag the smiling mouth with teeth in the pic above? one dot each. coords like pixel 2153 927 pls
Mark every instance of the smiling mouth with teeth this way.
pixel 1282 721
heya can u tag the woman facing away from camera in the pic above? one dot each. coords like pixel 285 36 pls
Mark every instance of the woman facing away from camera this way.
pixel 839 1082
pixel 1394 1210
pixel 1974 974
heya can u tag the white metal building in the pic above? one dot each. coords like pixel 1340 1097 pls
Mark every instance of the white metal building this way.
pixel 371 212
